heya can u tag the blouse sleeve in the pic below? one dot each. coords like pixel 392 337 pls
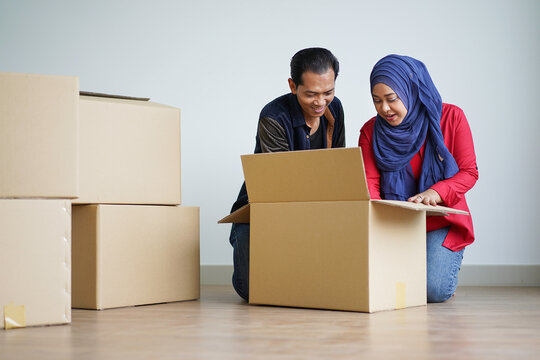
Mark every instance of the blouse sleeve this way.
pixel 458 139
pixel 372 173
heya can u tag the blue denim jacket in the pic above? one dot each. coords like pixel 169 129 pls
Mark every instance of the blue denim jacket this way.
pixel 286 111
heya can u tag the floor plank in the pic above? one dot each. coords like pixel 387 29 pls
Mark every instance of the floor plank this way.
pixel 478 323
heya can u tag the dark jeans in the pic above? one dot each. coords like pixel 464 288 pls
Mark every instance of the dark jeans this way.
pixel 239 239
pixel 442 264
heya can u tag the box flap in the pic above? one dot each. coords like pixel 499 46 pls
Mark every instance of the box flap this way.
pixel 429 209
pixel 313 175
pixel 240 216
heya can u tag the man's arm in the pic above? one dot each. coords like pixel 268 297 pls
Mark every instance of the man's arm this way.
pixel 272 136
pixel 340 140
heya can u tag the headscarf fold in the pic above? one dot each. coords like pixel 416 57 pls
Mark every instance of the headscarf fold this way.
pixel 395 146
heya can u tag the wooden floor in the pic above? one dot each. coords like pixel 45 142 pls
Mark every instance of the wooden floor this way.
pixel 478 323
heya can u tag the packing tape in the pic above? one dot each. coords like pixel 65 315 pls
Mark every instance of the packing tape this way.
pixel 400 295
pixel 14 316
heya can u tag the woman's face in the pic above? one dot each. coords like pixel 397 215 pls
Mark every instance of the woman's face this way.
pixel 388 104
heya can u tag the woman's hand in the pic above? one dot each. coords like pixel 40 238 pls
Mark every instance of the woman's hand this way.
pixel 428 197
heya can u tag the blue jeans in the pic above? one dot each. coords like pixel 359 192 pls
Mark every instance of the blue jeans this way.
pixel 442 267
pixel 442 264
pixel 239 239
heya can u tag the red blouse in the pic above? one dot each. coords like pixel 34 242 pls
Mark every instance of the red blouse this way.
pixel 458 139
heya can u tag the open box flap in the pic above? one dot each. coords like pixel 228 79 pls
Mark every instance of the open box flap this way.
pixel 240 216
pixel 311 175
pixel 429 209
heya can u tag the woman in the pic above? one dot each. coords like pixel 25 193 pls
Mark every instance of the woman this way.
pixel 421 150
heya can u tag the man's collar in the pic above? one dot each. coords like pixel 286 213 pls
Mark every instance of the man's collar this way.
pixel 296 111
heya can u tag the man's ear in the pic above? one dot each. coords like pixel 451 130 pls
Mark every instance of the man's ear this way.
pixel 292 86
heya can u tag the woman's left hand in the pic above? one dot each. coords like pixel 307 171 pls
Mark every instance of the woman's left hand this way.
pixel 428 197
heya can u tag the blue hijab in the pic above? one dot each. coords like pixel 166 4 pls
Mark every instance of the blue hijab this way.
pixel 395 146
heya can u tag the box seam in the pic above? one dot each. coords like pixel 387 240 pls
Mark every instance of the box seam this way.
pixel 66 208
pixel 98 298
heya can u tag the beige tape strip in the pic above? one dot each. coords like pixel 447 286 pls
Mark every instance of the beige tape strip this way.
pixel 14 316
pixel 401 291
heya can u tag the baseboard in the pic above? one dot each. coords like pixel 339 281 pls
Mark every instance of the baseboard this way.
pixel 499 275
pixel 470 275
pixel 216 274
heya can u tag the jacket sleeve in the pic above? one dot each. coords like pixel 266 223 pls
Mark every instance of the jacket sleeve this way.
pixel 272 136
pixel 373 177
pixel 458 139
pixel 340 135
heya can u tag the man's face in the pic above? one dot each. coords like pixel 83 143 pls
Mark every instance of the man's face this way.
pixel 315 93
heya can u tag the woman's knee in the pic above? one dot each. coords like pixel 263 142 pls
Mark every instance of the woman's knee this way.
pixel 441 288
pixel 440 291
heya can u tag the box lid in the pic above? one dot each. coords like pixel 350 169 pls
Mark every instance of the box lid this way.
pixel 312 175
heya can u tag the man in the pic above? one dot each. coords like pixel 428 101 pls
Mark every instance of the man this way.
pixel 309 117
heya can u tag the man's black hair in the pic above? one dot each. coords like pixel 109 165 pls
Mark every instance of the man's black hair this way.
pixel 316 60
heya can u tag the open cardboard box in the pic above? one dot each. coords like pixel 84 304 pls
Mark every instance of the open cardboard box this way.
pixel 318 241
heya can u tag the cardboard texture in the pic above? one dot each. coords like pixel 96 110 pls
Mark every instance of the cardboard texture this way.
pixel 35 262
pixel 38 136
pixel 318 241
pixel 126 255
pixel 129 152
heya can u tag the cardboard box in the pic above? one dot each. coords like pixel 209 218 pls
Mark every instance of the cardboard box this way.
pixel 127 255
pixel 35 262
pixel 318 241
pixel 129 152
pixel 38 136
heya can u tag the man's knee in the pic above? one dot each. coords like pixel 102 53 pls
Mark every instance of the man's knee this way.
pixel 240 287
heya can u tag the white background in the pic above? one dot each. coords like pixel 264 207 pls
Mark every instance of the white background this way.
pixel 222 61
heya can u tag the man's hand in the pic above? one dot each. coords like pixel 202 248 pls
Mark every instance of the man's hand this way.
pixel 428 197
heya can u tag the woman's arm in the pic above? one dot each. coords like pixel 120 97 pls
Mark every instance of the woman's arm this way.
pixel 458 139
pixel 372 173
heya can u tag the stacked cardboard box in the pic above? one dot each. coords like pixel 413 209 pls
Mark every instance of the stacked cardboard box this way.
pixel 38 174
pixel 132 243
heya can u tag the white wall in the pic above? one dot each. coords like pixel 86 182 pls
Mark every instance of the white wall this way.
pixel 221 61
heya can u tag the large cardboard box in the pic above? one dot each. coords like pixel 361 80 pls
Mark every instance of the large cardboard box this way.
pixel 129 152
pixel 318 241
pixel 38 136
pixel 127 255
pixel 35 262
